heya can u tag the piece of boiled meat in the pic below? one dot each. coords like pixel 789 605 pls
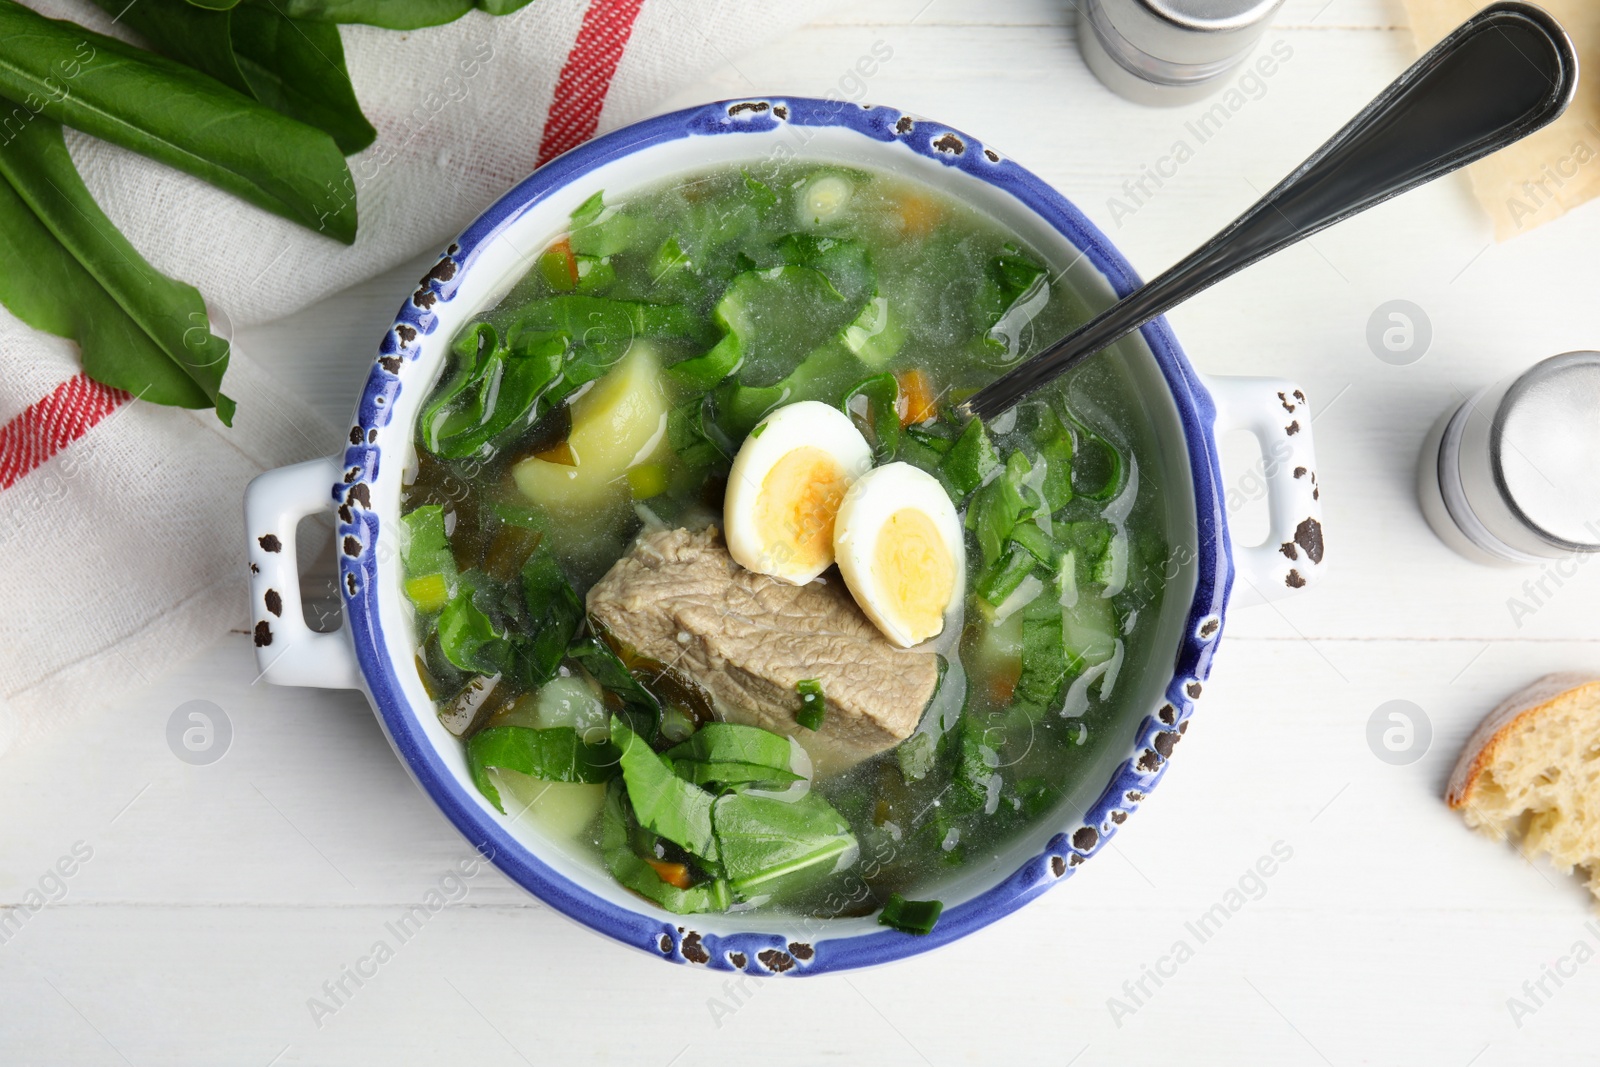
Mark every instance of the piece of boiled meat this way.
pixel 742 640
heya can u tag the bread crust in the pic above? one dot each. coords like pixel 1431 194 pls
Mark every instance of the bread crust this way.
pixel 1498 724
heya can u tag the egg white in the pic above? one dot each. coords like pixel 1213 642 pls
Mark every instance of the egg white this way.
pixel 864 513
pixel 751 539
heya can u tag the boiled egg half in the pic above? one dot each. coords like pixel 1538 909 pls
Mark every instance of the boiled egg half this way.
pixel 785 489
pixel 899 545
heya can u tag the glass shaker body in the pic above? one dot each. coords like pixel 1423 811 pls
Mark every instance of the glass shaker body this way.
pixel 1512 475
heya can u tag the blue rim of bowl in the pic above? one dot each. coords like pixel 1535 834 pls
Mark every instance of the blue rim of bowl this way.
pixel 657 932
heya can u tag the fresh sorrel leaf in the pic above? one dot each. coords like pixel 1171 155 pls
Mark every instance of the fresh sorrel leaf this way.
pixel 997 508
pixel 427 547
pixel 731 774
pixel 554 754
pixel 1055 451
pixel 1045 665
pixel 873 406
pixel 972 459
pixel 502 7
pixel 425 555
pixel 470 639
pixel 813 704
pixel 294 66
pixel 729 742
pixel 389 14
pixel 635 873
pixel 554 615
pixel 771 844
pixel 1005 575
pixel 664 803
pixel 910 916
pixel 71 273
pixel 174 114
pixel 613 675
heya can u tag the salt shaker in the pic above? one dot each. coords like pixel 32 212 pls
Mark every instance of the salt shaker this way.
pixel 1168 52
pixel 1512 476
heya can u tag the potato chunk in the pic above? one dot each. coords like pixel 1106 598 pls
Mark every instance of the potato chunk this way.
pixel 620 423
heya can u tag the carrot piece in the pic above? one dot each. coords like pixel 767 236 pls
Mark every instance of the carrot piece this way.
pixel 559 266
pixel 1003 684
pixel 1001 690
pixel 918 215
pixel 674 874
pixel 565 245
pixel 920 401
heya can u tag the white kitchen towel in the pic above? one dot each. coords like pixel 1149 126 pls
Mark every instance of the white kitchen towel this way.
pixel 121 549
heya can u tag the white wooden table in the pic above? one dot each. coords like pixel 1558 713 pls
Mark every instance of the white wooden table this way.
pixel 217 900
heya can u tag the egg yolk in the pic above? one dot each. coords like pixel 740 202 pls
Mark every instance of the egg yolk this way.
pixel 795 511
pixel 914 572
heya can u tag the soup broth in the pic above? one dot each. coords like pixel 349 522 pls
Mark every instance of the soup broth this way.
pixel 603 400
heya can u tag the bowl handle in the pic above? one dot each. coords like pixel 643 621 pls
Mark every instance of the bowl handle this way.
pixel 1277 414
pixel 288 652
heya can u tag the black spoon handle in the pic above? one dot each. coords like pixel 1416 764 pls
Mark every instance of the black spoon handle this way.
pixel 1504 73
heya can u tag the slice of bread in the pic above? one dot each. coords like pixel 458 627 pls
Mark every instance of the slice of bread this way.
pixel 1531 771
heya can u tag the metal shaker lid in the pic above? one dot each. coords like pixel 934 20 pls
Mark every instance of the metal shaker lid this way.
pixel 1544 449
pixel 1189 32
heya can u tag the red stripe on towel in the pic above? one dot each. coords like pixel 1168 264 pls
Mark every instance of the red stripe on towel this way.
pixel 586 77
pixel 52 423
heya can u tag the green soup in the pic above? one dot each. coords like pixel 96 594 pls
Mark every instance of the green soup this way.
pixel 607 393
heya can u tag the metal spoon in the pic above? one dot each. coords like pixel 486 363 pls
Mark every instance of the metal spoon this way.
pixel 1504 73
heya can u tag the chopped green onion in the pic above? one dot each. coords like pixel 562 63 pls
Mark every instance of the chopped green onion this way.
pixel 430 593
pixel 813 705
pixel 676 723
pixel 910 916
pixel 647 481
